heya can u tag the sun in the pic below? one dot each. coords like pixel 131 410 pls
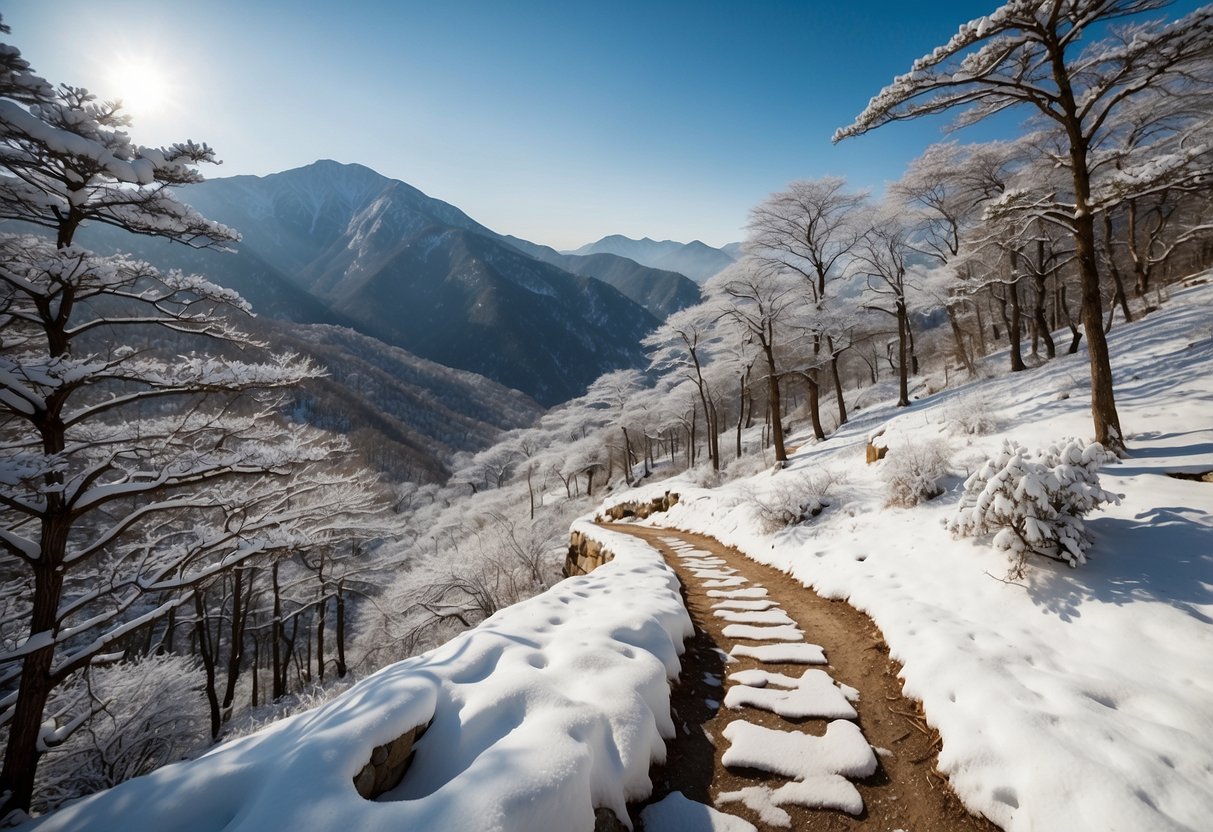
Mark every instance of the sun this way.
pixel 141 83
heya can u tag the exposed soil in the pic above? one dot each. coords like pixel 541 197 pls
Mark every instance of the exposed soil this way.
pixel 906 792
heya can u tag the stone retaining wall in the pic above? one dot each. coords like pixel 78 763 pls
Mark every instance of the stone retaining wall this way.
pixel 388 763
pixel 585 555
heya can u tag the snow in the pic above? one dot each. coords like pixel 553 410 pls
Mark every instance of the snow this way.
pixel 815 793
pixel 754 616
pixel 820 764
pixel 755 633
pixel 814 694
pixel 725 582
pixel 756 606
pixel 1075 698
pixel 748 592
pixel 550 708
pixel 677 813
pixel 802 653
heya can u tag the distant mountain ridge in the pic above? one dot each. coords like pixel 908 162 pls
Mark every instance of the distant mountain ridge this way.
pixel 695 259
pixel 340 244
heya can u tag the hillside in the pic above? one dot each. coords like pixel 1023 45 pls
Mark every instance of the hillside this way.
pixel 1074 698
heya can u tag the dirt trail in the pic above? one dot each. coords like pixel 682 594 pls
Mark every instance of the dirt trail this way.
pixel 905 793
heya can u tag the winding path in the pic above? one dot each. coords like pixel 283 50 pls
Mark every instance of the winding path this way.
pixel 770 768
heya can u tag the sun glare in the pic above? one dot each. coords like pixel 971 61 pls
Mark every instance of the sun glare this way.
pixel 141 83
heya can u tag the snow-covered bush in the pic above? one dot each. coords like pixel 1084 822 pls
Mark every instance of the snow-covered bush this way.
pixel 793 499
pixel 145 714
pixel 972 415
pixel 1034 504
pixel 912 472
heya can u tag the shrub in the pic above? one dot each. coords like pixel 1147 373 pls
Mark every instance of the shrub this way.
pixel 912 472
pixel 1035 504
pixel 793 499
pixel 144 714
pixel 972 415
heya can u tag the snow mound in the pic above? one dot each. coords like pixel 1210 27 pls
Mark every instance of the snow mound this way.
pixel 756 606
pixel 550 708
pixel 814 793
pixel 677 813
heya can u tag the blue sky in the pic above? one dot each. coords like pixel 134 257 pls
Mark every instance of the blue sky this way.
pixel 559 122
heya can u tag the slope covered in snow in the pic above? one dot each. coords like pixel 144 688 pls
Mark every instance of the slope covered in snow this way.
pixel 1069 699
pixel 550 708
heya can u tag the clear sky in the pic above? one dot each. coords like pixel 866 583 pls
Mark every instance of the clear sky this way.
pixel 559 122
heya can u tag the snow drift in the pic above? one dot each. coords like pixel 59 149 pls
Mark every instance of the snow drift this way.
pixel 550 708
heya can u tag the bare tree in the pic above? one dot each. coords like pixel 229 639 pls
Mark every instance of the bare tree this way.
pixel 761 299
pixel 945 191
pixel 683 343
pixel 811 228
pixel 881 258
pixel 1030 52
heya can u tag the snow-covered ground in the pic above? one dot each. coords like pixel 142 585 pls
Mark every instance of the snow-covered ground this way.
pixel 548 709
pixel 1073 698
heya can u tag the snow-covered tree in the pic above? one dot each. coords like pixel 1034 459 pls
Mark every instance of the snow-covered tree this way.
pixel 1038 53
pixel 761 299
pixel 141 453
pixel 811 228
pixel 683 344
pixel 881 258
pixel 945 192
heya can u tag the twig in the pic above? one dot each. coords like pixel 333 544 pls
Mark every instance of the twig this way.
pixel 1008 583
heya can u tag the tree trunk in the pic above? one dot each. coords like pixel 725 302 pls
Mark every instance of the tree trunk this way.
pixel 842 402
pixel 240 607
pixel 1038 313
pixel 1114 270
pixel 22 754
pixel 206 650
pixel 773 403
pixel 323 615
pixel 342 669
pixel 815 403
pixel 1103 401
pixel 903 381
pixel 1015 327
pixel 958 337
pixel 1075 332
pixel 278 635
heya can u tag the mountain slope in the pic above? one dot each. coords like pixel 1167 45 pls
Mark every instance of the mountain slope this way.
pixel 696 260
pixel 659 291
pixel 338 244
pixel 407 416
pixel 483 306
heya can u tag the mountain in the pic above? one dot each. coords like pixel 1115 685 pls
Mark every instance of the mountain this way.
pixel 659 291
pixel 405 415
pixel 696 260
pixel 468 301
pixel 343 245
